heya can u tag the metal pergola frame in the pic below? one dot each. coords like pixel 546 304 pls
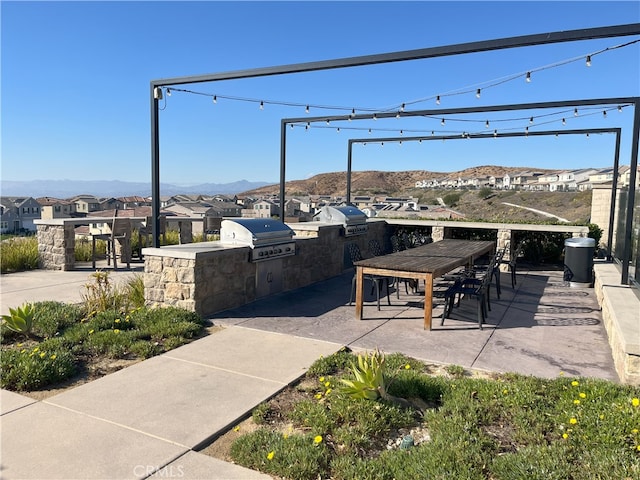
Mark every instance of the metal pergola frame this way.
pixel 433 52
pixel 582 131
pixel 635 101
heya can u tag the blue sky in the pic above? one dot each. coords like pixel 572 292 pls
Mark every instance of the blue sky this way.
pixel 75 86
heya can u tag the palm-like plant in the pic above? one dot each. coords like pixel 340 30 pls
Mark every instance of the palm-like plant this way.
pixel 20 319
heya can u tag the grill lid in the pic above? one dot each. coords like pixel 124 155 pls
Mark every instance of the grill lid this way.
pixel 254 231
pixel 346 215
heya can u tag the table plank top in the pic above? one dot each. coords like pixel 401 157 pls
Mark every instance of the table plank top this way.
pixel 438 257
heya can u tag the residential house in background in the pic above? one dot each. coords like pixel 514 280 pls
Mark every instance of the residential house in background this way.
pixel 86 204
pixel 265 209
pixel 18 214
pixel 56 208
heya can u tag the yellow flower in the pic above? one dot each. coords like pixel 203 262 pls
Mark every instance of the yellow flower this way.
pixel 601 416
pixel 236 428
pixel 635 402
pixel 117 320
pixel 318 396
pixel 321 379
pixel 576 402
pixel 583 395
pixel 575 383
pixel 634 431
pixel 23 350
pixel 326 384
pixel 53 357
pixel 285 435
pixel 36 349
pixel 116 331
pixel 565 435
pixel 638 447
pixel 270 455
pixel 573 420
pixel 328 391
pixel 505 391
pixel 127 317
pixel 317 439
pixel 407 367
pixel 19 345
pixel 91 331
pixel 42 355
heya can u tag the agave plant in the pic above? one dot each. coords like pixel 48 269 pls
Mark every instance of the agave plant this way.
pixel 369 381
pixel 20 319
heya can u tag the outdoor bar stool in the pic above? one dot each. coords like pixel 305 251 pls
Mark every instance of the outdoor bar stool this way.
pixel 376 281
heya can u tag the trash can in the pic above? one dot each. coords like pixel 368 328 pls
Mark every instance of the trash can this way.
pixel 578 261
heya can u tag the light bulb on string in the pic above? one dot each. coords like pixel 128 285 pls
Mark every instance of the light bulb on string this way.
pixel 306 109
pixel 375 117
pixel 486 124
pixel 382 144
pixel 478 93
pixel 402 108
pixel 215 99
pixel 526 131
pixel 442 122
pixel 353 113
pixel 604 113
pixel 575 112
pixel 401 132
pixel 588 60
pixel 168 92
pixel 261 105
pixel 620 108
pixel 328 122
pixel 495 134
pixel 306 127
pixel 398 114
pixel 432 133
pixel 587 135
pixel 338 130
pixel 528 77
pixel 564 122
pixel 369 131
pixel 400 143
pixel 531 120
pixel 438 100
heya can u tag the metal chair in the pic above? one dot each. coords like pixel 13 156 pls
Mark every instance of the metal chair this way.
pixel 356 255
pixel 513 261
pixel 399 244
pixel 478 291
pixel 118 242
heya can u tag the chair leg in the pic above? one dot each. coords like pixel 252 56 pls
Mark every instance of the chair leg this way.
pixel 496 274
pixel 353 289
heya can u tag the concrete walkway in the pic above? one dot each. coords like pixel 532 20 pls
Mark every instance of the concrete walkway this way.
pixel 151 419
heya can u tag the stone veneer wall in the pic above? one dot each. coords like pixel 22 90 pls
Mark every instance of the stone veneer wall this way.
pixel 601 209
pixel 209 281
pixel 56 245
pixel 621 318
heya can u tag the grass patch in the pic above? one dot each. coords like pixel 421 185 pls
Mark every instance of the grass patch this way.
pixel 18 254
pixel 110 324
pixel 504 427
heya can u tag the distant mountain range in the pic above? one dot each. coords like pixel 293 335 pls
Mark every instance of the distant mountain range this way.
pixel 116 188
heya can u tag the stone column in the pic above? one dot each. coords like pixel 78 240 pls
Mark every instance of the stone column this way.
pixel 56 245
pixel 504 241
pixel 186 235
pixel 437 233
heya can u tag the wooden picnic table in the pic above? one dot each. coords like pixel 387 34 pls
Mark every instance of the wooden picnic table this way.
pixel 424 262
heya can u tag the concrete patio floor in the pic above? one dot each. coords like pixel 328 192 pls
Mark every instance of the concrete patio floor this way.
pixel 151 419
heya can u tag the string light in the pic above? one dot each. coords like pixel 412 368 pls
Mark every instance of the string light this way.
pixel 375 117
pixel 438 100
pixel 261 105
pixel 528 78
pixel 588 60
pixel 564 122
pixel 306 109
pixel 215 99
pixel 369 131
pixel 531 120
pixel 338 130
pixel 495 134
pixel 478 93
pixel 442 122
pixel 620 108
pixel 328 122
pixel 604 113
pixel 486 125
pixel 168 92
pixel 401 132
pixel 575 112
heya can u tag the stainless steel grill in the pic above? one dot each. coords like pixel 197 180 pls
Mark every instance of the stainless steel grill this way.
pixel 268 238
pixel 353 220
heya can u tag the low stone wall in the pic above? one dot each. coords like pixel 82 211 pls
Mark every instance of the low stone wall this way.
pixel 210 277
pixel 621 318
pixel 56 245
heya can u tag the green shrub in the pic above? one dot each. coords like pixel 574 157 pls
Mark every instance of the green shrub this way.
pixel 451 199
pixel 18 254
pixel 135 291
pixel 33 368
pixel 102 295
pixel 295 456
pixel 82 250
pixel 332 364
pixel 52 317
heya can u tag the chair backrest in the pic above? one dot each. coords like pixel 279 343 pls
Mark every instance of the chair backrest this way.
pixel 375 248
pixel 396 245
pixel 354 252
pixel 121 227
